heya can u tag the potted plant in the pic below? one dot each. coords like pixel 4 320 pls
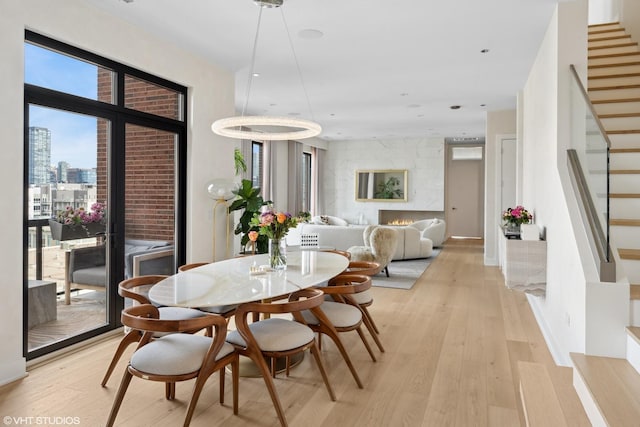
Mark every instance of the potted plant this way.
pixel 388 190
pixel 78 223
pixel 514 217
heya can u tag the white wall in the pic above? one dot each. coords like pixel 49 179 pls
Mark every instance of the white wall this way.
pixel 423 158
pixel 500 124
pixel 211 92
pixel 630 18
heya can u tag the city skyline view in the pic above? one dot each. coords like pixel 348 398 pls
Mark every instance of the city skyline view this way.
pixel 73 136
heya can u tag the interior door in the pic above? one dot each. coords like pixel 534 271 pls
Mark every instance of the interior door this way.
pixel 465 190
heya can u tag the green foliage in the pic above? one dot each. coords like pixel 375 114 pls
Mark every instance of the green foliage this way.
pixel 388 190
pixel 238 161
pixel 250 201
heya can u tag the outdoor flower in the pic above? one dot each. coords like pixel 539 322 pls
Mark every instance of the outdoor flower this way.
pixel 516 216
pixel 82 216
pixel 274 225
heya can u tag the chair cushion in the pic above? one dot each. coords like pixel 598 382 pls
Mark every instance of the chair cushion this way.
pixel 339 314
pixel 175 354
pixel 179 313
pixel 90 276
pixel 364 297
pixel 275 334
pixel 219 309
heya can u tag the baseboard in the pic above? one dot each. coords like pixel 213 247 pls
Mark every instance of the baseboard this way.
pixel 561 359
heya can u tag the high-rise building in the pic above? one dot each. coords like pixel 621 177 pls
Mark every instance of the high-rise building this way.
pixel 62 171
pixel 39 155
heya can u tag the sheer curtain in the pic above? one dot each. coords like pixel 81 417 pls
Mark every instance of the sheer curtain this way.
pixel 317 181
pixel 294 190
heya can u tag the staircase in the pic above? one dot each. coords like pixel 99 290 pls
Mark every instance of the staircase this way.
pixel 609 388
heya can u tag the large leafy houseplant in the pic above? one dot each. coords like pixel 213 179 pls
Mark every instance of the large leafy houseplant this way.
pixel 249 201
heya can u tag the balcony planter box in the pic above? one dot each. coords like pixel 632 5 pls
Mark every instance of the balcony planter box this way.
pixel 62 232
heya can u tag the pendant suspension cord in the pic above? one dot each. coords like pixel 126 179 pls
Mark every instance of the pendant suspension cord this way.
pixel 295 57
pixel 253 62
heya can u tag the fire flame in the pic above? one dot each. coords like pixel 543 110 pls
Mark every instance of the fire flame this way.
pixel 400 222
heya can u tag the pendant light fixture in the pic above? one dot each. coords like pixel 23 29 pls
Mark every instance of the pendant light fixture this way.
pixel 267 128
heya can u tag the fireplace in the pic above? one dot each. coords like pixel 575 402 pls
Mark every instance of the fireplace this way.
pixel 405 217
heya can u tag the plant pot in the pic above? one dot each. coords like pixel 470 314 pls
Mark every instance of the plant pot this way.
pixel 63 232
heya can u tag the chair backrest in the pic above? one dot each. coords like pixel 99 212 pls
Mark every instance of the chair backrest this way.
pixel 366 234
pixel 146 317
pixel 339 252
pixel 137 288
pixel 384 241
pixel 187 267
pixel 366 268
pixel 348 284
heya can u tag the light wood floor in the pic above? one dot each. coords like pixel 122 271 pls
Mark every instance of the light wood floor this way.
pixel 453 343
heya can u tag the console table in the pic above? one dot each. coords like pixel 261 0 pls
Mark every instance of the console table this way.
pixel 523 264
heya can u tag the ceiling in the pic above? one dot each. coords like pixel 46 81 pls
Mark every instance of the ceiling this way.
pixel 380 70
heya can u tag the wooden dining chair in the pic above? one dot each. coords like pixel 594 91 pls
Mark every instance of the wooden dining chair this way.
pixel 226 311
pixel 339 252
pixel 137 289
pixel 343 316
pixel 276 337
pixel 177 356
pixel 364 299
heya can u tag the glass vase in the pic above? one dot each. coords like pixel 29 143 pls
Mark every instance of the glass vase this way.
pixel 278 254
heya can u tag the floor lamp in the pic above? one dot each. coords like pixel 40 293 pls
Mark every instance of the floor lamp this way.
pixel 221 190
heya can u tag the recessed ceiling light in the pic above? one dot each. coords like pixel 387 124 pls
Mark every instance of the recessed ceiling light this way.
pixel 404 94
pixel 310 33
pixel 483 105
pixel 256 74
pixel 455 107
pixel 484 51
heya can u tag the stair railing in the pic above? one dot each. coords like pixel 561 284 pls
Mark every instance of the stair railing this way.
pixel 588 165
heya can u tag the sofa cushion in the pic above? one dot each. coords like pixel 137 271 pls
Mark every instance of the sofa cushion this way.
pixel 328 220
pixel 93 276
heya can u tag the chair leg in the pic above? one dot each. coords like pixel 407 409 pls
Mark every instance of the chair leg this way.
pixel 386 270
pixel 338 342
pixel 366 343
pixel 367 323
pixel 170 391
pixel 365 310
pixel 271 387
pixel 323 372
pixel 221 385
pixel 235 379
pixel 124 384
pixel 131 337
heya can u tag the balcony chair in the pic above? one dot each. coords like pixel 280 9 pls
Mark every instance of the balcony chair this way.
pixel 177 356
pixel 277 337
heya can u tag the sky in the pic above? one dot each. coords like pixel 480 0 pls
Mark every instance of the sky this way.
pixel 73 136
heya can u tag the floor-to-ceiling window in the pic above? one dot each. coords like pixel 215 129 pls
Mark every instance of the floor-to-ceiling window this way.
pixel 104 144
pixel 257 163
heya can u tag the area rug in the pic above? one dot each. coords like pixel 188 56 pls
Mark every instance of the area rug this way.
pixel 403 274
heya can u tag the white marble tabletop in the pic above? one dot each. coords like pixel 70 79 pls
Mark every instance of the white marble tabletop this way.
pixel 231 282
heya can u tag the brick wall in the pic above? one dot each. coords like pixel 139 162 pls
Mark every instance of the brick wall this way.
pixel 149 160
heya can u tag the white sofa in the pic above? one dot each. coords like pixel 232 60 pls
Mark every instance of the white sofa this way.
pixel 412 241
pixel 433 229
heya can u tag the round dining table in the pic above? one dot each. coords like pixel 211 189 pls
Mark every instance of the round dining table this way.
pixel 246 279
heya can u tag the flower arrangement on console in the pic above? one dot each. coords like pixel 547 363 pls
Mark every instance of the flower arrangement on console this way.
pixel 72 216
pixel 514 217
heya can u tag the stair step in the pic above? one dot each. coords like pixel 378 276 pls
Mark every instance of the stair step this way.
pixel 619 123
pixel 625 222
pixel 624 196
pixel 539 399
pixel 548 396
pixel 608 39
pixel 614 55
pixel 624 207
pixel 624 140
pixel 604 24
pixel 605 30
pixel 613 93
pixel 635 294
pixel 615 87
pixel 617 107
pixel 613 76
pixel 627 160
pixel 624 171
pixel 630 254
pixel 623 150
pixel 614 101
pixel 612 65
pixel 618 115
pixel 633 344
pixel 613 45
pixel 623 132
pixel 614 387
